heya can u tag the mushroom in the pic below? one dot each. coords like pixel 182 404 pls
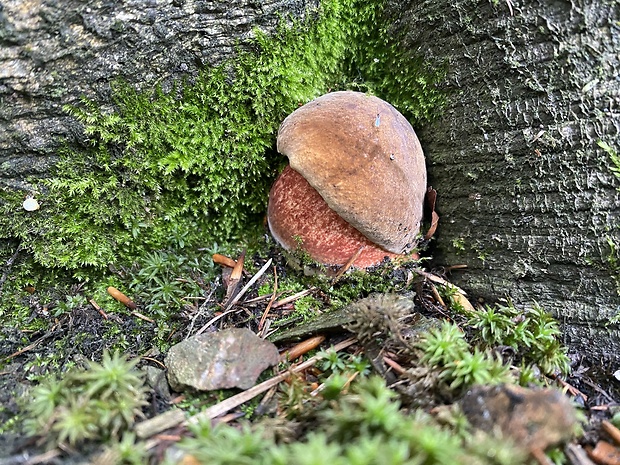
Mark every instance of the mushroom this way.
pixel 31 204
pixel 356 180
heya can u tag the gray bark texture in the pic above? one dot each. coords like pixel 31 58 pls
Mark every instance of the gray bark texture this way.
pixel 52 52
pixel 527 198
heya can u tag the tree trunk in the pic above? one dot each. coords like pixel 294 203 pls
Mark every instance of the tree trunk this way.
pixel 52 52
pixel 526 195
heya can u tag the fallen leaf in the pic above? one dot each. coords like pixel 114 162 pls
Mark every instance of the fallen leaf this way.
pixel 461 300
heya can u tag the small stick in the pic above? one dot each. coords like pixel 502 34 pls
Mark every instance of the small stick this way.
pixel 249 284
pixel 236 299
pixel 30 346
pixel 455 267
pixel 577 455
pixel 602 408
pixel 348 265
pixel 200 309
pixel 260 298
pixel 344 386
pixel 143 317
pixel 613 432
pixel 437 296
pixel 157 424
pixel 273 298
pixel 292 298
pixel 229 417
pixel 437 279
pixel 241 398
pixel 395 366
pixel 570 388
pixel 154 360
pixel 98 308
pixel 44 457
pixel 168 437
pixel 173 418
pixel 303 348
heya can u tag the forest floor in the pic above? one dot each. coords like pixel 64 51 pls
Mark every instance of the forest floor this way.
pixel 319 396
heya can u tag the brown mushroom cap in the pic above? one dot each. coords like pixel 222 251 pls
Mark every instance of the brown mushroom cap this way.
pixel 364 159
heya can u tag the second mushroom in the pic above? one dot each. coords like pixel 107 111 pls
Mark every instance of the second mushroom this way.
pixel 356 180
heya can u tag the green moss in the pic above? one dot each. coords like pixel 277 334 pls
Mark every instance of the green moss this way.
pixel 458 244
pixel 194 165
pixel 365 426
pixel 613 261
pixel 85 404
pixel 532 333
pixel 614 158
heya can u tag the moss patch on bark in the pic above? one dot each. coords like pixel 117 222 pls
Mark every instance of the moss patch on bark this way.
pixel 194 165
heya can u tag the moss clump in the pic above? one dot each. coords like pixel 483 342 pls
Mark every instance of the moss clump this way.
pixel 96 403
pixel 195 164
pixel 531 333
pixel 365 427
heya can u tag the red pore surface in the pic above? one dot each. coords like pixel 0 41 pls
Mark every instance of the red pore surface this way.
pixel 299 218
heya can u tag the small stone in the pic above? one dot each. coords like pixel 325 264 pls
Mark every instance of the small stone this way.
pixel 156 379
pixel 232 358
pixel 533 418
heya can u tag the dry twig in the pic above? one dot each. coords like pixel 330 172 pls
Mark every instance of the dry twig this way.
pixel 273 298
pixel 303 348
pixel 293 298
pixel 348 265
pixel 236 298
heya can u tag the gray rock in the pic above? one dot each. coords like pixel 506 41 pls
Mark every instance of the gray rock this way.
pixel 232 358
pixel 156 380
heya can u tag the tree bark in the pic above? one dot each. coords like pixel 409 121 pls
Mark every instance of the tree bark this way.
pixel 526 196
pixel 52 52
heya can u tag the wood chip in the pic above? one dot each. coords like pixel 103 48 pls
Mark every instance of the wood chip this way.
pixel 605 454
pixel 303 347
pixel 122 298
pixel 610 429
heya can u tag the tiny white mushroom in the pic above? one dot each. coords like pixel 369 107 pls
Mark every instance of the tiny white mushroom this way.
pixel 31 204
